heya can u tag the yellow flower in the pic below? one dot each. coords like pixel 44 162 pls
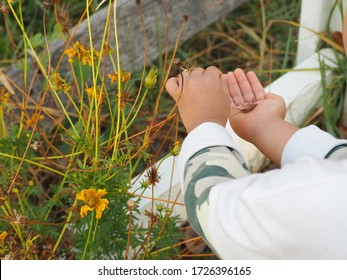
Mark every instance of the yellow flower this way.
pixel 60 83
pixel 77 50
pixel 124 76
pixel 89 91
pixel 94 201
pixel 33 119
pixel 82 54
pixel 98 91
pixel 4 95
pixel 2 237
pixel 87 57
pixel 151 78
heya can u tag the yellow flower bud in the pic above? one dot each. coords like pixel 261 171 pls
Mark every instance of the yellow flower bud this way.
pixel 175 149
pixel 151 78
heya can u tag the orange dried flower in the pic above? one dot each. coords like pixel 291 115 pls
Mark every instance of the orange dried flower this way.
pixel 125 98
pixel 64 18
pixel 4 9
pixel 152 176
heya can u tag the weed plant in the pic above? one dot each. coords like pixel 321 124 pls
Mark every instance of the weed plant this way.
pixel 67 170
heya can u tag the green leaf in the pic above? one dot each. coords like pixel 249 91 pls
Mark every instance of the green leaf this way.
pixel 37 40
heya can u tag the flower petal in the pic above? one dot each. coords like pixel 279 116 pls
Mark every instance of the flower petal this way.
pixel 84 210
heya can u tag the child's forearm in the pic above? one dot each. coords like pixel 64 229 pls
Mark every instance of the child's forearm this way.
pixel 271 138
pixel 209 167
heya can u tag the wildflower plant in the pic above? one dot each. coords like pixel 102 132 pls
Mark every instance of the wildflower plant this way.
pixel 69 158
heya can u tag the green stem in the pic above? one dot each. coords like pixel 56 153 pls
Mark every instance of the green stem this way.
pixel 138 110
pixel 24 47
pixel 118 132
pixel 64 228
pixel 94 98
pixel 94 235
pixel 15 227
pixel 60 157
pixel 89 234
pixel 25 66
pixel 2 123
pixel 34 163
pixel 60 187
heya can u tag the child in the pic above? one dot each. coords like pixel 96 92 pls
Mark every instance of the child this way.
pixel 296 212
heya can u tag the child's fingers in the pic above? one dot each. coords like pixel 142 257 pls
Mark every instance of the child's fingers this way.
pixel 172 86
pixel 256 86
pixel 234 89
pixel 196 72
pixel 212 70
pixel 224 81
pixel 245 87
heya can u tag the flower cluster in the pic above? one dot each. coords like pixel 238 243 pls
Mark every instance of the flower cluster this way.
pixel 34 118
pixel 83 55
pixel 94 201
pixel 124 76
pixel 98 93
pixel 59 84
pixel 4 96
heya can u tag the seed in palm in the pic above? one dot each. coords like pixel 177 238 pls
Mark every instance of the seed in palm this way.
pixel 248 106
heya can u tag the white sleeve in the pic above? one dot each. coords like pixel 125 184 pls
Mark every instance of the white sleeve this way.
pixel 309 141
pixel 204 136
pixel 297 212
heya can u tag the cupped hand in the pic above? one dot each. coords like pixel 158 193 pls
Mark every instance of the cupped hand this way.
pixel 251 108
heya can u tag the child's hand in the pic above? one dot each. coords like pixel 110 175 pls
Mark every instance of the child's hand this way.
pixel 252 109
pixel 203 98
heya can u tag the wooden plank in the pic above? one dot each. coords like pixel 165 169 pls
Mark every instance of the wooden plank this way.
pixel 131 37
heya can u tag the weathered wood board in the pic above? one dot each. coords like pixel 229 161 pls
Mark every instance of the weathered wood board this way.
pixel 201 13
